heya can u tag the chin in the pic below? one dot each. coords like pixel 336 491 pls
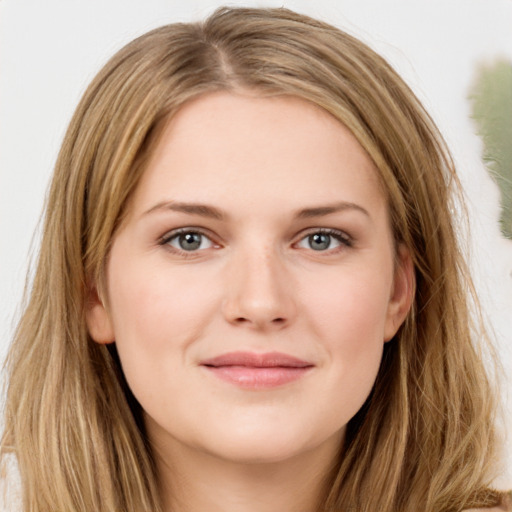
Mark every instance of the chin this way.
pixel 270 446
pixel 256 454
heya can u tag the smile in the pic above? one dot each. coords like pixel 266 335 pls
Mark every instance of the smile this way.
pixel 257 371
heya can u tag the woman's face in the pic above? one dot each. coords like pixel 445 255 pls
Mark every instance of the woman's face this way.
pixel 255 280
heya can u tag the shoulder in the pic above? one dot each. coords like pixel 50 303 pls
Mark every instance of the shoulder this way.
pixel 493 509
pixel 506 505
pixel 10 484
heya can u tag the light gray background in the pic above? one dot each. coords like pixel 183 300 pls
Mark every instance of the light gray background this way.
pixel 51 49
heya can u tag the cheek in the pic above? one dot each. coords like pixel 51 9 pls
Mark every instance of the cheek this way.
pixel 351 306
pixel 154 323
pixel 155 305
pixel 156 315
pixel 349 316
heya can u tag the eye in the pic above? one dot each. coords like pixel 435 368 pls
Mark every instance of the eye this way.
pixel 187 240
pixel 324 240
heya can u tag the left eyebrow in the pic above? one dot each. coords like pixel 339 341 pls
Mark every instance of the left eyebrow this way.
pixel 321 211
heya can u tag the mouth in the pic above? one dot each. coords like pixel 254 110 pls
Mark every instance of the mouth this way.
pixel 257 371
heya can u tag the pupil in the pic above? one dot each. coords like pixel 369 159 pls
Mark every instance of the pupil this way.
pixel 319 241
pixel 190 241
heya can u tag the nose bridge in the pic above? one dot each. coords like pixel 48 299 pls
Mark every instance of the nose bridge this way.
pixel 259 293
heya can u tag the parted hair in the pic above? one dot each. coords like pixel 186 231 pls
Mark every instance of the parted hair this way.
pixel 424 439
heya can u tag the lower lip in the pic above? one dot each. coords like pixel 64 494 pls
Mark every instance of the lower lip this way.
pixel 249 377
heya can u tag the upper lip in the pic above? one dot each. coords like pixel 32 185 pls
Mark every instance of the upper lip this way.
pixel 255 360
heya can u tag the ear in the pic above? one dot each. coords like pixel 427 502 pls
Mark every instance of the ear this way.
pixel 98 319
pixel 402 292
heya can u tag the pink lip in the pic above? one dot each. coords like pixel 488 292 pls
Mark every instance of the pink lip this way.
pixel 257 371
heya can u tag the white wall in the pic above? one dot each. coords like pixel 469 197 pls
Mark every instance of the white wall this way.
pixel 50 49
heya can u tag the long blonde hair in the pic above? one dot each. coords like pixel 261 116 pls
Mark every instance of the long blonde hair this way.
pixel 423 440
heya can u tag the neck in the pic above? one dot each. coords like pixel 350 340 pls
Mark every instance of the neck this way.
pixel 195 481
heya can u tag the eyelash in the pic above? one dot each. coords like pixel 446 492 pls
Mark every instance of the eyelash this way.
pixel 345 240
pixel 166 239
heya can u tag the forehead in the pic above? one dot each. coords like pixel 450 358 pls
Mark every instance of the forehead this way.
pixel 228 148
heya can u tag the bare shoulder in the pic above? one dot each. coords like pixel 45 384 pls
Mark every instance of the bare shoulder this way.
pixel 493 509
pixel 503 508
pixel 10 484
pixel 506 506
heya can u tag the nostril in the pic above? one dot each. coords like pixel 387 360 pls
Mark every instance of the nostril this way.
pixel 274 321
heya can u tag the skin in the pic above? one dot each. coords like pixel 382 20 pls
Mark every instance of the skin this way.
pixel 257 283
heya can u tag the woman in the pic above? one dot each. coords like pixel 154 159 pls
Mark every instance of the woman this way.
pixel 249 294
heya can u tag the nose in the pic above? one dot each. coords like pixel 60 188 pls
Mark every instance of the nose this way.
pixel 259 292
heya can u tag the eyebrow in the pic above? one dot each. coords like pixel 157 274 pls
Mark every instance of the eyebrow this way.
pixel 205 210
pixel 321 211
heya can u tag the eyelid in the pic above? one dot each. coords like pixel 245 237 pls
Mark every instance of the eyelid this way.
pixel 341 236
pixel 173 233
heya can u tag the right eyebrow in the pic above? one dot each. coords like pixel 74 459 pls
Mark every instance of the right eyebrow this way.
pixel 203 210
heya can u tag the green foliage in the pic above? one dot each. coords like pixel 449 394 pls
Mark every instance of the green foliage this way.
pixel 491 99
